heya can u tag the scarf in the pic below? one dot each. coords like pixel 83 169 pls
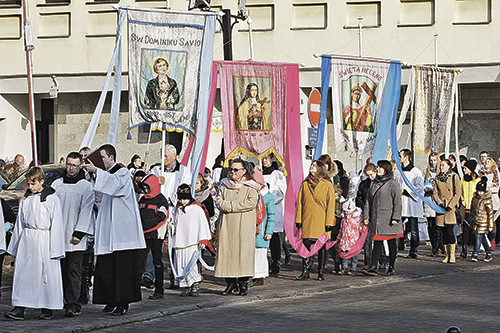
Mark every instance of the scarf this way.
pixel 232 185
pixel 382 179
pixel 202 195
pixel 443 176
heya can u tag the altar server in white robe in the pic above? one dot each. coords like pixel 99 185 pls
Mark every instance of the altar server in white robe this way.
pixel 190 230
pixel 38 245
pixel 77 201
pixel 118 236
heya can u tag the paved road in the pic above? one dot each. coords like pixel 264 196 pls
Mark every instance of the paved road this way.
pixel 469 300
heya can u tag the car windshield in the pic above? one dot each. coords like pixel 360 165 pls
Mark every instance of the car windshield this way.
pixel 50 175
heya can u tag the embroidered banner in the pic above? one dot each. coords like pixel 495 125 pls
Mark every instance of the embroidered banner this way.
pixel 165 66
pixel 357 93
pixel 433 104
pixel 253 96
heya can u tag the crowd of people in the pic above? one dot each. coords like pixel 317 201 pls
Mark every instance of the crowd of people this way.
pixel 12 170
pixel 123 215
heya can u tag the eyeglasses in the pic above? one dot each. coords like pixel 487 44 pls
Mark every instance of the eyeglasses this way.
pixel 235 170
pixel 72 165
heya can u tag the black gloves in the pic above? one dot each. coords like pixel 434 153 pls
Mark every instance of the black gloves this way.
pixel 328 228
pixel 447 209
pixel 298 225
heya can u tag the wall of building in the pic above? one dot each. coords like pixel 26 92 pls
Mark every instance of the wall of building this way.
pixel 15 130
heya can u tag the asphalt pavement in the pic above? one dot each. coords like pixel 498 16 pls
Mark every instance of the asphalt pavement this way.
pixel 424 296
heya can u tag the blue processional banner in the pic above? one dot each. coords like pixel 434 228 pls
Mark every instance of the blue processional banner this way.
pixel 165 58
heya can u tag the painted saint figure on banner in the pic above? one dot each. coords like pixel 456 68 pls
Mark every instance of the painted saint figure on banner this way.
pixel 253 112
pixel 161 92
pixel 358 116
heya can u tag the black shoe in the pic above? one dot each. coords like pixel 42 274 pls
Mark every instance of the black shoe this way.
pixel 108 308
pixel 463 255
pixel 120 310
pixel 474 257
pixel 186 292
pixel 391 271
pixel 78 309
pixel 173 286
pixel 156 296
pixel 321 276
pixel 243 288
pixel 288 260
pixel 372 271
pixel 145 282
pixel 45 314
pixel 303 276
pixel 229 289
pixel 412 256
pixel 488 257
pixel 69 311
pixel 195 289
pixel 17 313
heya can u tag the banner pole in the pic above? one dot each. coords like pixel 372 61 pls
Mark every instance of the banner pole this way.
pixel 250 37
pixel 162 157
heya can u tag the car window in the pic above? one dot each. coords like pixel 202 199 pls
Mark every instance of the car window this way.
pixel 50 176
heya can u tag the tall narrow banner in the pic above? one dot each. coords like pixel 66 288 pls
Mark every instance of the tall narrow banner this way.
pixel 165 60
pixel 433 104
pixel 253 96
pixel 358 86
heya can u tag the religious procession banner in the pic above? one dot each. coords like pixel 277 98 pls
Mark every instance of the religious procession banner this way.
pixel 433 107
pixel 358 86
pixel 165 59
pixel 253 96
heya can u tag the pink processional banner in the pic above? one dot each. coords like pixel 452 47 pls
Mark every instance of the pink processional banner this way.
pixel 253 96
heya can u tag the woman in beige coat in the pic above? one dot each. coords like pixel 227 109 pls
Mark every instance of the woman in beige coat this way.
pixel 237 199
pixel 447 195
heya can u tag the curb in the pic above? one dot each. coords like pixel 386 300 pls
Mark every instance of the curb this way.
pixel 139 317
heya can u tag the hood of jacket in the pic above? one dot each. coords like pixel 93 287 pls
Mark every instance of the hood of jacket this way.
pixel 152 182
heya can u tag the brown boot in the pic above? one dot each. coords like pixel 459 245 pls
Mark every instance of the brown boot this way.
pixel 447 250
pixel 452 252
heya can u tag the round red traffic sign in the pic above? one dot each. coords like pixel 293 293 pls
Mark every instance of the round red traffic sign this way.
pixel 314 107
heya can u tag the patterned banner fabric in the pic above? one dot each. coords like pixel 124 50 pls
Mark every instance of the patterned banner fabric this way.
pixel 253 96
pixel 433 104
pixel 165 61
pixel 357 93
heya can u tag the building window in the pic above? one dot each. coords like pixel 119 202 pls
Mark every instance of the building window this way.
pixel 101 23
pixel 10 27
pixel 262 17
pixel 472 12
pixel 370 11
pixel 417 13
pixel 10 3
pixel 65 2
pixel 309 16
pixel 54 25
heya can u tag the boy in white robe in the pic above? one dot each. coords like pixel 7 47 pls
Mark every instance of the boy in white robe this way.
pixel 189 231
pixel 38 245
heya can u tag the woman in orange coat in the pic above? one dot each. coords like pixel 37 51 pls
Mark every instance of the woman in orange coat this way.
pixel 315 214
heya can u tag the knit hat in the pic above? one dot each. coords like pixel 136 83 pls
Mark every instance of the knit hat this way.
pixel 471 165
pixel 184 192
pixel 482 184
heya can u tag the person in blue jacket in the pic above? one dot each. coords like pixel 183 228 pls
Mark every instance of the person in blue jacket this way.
pixel 264 230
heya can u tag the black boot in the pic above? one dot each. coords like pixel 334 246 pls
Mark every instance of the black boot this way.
pixel 391 271
pixel 321 263
pixel 231 286
pixel 305 270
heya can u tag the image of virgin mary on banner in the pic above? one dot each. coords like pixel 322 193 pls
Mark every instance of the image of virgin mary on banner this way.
pixel 165 51
pixel 253 104
pixel 357 95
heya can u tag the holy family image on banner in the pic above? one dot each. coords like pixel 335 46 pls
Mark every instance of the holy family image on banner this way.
pixel 357 95
pixel 253 107
pixel 165 50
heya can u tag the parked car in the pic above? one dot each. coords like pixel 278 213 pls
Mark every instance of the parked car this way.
pixel 4 180
pixel 13 192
